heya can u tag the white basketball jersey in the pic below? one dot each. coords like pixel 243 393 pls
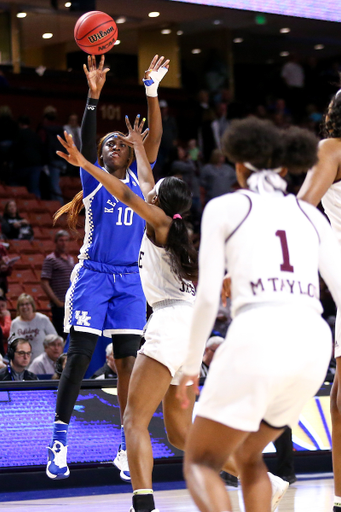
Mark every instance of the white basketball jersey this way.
pixel 158 281
pixel 272 253
pixel 331 203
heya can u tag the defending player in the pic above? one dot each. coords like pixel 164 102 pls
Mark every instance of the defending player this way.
pixel 278 346
pixel 105 296
pixel 323 182
pixel 168 263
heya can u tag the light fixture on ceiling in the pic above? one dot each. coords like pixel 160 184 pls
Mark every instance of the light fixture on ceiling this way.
pixel 67 4
pixel 195 51
pixel 285 30
pixel 217 22
pixel 238 40
pixel 117 42
pixel 153 14
pixel 318 46
pixel 284 54
pixel 179 32
pixel 166 31
pixel 121 19
pixel 47 35
pixel 21 14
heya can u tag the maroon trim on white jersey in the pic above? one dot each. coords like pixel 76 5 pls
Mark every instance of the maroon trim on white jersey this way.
pixel 311 222
pixel 243 220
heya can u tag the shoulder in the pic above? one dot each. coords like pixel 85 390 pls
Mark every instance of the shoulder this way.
pixel 30 376
pixel 332 145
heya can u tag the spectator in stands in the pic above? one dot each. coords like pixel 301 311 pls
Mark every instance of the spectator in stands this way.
pixel 55 278
pixel 5 325
pixel 5 270
pixel 13 225
pixel 211 346
pixel 48 130
pixel 74 129
pixel 45 364
pixel 60 365
pixel 8 134
pixel 19 356
pixel 169 137
pixel 30 325
pixel 217 177
pixel 108 370
pixel 2 364
pixel 220 124
pixel 27 157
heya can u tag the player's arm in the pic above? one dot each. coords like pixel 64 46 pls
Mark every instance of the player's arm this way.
pixel 153 76
pixel 152 214
pixel 323 174
pixel 96 76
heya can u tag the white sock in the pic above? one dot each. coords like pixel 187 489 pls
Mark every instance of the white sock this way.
pixel 337 501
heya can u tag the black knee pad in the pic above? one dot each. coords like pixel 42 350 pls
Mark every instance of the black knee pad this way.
pixel 125 345
pixel 83 343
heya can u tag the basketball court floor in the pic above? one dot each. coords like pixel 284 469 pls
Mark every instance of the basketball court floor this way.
pixel 313 493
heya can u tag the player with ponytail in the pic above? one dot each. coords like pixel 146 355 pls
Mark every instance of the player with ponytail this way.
pixel 167 264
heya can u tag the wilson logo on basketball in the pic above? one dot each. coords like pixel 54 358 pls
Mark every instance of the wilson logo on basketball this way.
pixel 96 37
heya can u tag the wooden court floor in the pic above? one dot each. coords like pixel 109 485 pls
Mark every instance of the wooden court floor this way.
pixel 311 493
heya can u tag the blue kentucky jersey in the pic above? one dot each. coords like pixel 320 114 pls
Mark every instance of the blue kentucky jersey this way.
pixel 113 231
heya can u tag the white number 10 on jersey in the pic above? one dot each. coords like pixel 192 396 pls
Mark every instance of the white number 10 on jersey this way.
pixel 127 217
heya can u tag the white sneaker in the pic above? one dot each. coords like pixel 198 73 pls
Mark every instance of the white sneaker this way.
pixel 279 488
pixel 121 462
pixel 57 467
pixel 133 510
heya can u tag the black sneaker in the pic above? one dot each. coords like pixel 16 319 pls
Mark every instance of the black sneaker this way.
pixel 229 479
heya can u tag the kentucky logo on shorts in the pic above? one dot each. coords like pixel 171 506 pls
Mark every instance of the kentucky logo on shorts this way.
pixel 82 318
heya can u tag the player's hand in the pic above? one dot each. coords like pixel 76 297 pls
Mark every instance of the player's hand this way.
pixel 181 392
pixel 73 156
pixel 155 65
pixel 154 74
pixel 135 135
pixel 96 76
pixel 226 289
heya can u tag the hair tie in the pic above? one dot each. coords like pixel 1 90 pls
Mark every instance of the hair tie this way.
pixel 177 216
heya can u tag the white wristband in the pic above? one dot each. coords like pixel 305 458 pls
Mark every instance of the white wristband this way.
pixel 152 83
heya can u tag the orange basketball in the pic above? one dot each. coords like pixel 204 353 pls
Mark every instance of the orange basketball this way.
pixel 95 32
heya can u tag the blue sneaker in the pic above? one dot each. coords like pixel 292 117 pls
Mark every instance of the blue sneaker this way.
pixel 57 468
pixel 121 462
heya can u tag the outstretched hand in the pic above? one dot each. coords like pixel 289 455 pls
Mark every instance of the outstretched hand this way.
pixel 135 135
pixel 73 156
pixel 96 76
pixel 156 64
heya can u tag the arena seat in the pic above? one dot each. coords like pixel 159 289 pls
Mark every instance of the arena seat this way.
pixel 23 277
pixel 40 219
pixel 14 290
pixel 19 192
pixel 22 246
pixel 36 291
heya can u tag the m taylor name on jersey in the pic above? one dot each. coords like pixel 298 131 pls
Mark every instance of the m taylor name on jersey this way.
pixel 277 284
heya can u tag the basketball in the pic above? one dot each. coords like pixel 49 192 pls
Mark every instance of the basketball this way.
pixel 95 32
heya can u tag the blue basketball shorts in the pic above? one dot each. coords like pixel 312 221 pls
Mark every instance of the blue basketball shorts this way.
pixel 106 300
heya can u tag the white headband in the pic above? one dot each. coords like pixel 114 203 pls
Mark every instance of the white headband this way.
pixel 157 186
pixel 254 169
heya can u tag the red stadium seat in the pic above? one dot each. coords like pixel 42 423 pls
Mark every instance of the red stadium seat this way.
pixel 15 192
pixel 51 206
pixel 36 291
pixel 41 219
pixel 22 246
pixel 14 290
pixel 23 277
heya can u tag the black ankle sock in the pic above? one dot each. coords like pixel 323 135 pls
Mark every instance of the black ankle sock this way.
pixel 143 502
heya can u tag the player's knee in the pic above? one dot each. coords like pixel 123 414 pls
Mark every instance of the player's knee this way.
pixel 76 366
pixel 125 365
pixel 177 438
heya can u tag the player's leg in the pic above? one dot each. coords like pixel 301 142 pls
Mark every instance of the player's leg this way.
pixel 177 420
pixel 125 347
pixel 148 385
pixel 81 348
pixel 335 409
pixel 257 489
pixel 209 444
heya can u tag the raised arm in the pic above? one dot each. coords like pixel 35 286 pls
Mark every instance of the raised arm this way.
pixel 151 213
pixel 153 76
pixel 323 174
pixel 96 77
